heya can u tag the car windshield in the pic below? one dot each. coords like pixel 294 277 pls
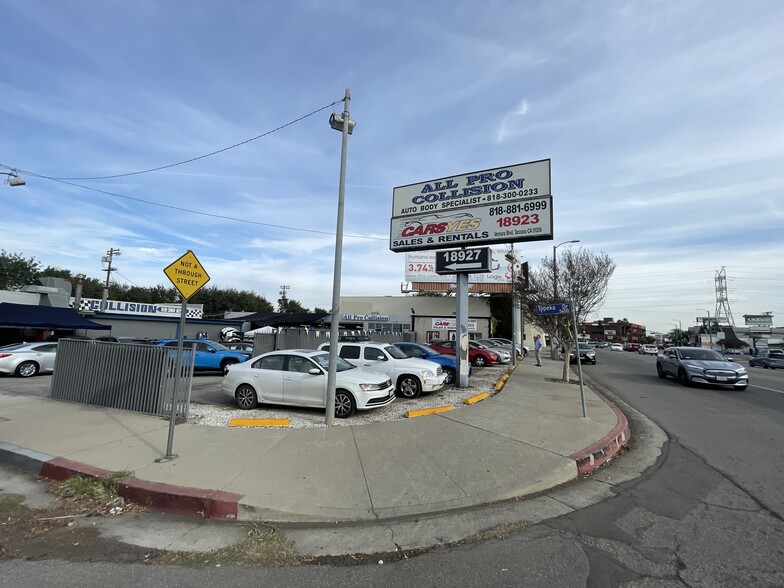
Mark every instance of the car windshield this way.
pixel 395 352
pixel 323 360
pixel 584 346
pixel 702 355
pixel 427 351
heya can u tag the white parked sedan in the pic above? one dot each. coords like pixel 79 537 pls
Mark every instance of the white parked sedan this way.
pixel 27 359
pixel 616 347
pixel 298 377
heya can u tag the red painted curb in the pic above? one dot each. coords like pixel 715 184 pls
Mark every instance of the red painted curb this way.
pixel 196 502
pixel 596 454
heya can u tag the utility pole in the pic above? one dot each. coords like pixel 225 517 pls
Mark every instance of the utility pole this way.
pixel 109 269
pixel 283 300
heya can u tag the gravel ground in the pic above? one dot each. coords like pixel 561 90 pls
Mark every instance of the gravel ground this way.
pixel 481 380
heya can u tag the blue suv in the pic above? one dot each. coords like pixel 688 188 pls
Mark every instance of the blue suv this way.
pixel 209 354
pixel 447 362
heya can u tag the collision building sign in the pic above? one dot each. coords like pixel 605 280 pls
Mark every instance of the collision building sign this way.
pixel 501 205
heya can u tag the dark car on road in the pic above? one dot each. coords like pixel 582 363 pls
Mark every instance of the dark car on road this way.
pixel 587 354
pixel 695 365
pixel 770 360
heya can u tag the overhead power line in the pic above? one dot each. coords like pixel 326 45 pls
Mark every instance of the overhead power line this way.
pixel 209 214
pixel 192 159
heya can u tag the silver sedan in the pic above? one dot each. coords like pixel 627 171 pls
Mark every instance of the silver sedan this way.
pixel 27 359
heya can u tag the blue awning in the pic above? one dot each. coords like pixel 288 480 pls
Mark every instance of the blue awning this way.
pixel 45 317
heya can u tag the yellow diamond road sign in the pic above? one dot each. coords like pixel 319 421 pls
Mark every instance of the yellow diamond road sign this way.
pixel 187 275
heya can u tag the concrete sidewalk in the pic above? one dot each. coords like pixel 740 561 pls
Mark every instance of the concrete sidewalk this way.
pixel 527 438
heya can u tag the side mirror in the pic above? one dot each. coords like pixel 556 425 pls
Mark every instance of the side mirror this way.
pixel 381 358
pixel 315 372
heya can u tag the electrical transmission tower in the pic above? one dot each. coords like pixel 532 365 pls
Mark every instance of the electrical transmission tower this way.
pixel 723 313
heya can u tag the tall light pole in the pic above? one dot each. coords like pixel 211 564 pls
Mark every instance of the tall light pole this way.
pixel 555 285
pixel 710 327
pixel 345 125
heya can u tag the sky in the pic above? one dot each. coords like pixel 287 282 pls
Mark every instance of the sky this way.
pixel 663 121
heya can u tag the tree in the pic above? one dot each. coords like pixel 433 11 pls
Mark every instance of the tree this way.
pixel 582 280
pixel 16 271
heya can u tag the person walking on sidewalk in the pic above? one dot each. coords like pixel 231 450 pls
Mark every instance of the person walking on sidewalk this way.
pixel 538 350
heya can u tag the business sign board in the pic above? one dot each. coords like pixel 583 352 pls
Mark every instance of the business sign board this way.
pixel 421 267
pixel 524 220
pixel 501 205
pixel 759 319
pixel 466 261
pixel 450 324
pixel 359 318
pixel 138 308
pixel 759 329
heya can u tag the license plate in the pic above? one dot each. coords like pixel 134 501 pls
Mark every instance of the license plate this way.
pixel 721 378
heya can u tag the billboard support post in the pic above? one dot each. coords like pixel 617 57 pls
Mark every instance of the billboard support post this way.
pixel 461 332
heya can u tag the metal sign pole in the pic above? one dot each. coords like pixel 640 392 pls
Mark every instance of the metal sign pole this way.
pixel 579 362
pixel 461 332
pixel 178 368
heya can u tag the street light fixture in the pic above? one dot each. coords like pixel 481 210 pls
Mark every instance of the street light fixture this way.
pixel 555 285
pixel 710 326
pixel 345 125
pixel 13 178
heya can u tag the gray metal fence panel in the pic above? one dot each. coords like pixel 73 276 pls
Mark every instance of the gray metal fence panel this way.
pixel 138 378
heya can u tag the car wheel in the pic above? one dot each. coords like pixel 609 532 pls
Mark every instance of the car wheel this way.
pixel 27 369
pixel 246 397
pixel 409 386
pixel 345 405
pixel 225 366
pixel 480 361
pixel 683 378
pixel 660 371
pixel 450 375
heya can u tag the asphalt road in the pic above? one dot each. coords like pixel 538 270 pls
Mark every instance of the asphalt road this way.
pixel 738 433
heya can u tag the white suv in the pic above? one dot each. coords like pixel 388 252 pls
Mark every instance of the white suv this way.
pixel 411 376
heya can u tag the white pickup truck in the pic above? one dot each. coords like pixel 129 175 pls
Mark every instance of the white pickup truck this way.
pixel 411 376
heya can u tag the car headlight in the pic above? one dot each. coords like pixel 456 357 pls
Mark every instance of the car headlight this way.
pixel 372 387
pixel 689 366
pixel 428 373
pixel 741 370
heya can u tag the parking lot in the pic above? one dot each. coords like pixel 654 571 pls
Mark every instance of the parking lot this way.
pixel 211 407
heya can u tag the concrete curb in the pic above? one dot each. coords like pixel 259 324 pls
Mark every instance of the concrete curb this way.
pixel 600 452
pixel 194 502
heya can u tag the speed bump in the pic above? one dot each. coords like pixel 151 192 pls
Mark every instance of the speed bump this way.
pixel 259 422
pixel 425 411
